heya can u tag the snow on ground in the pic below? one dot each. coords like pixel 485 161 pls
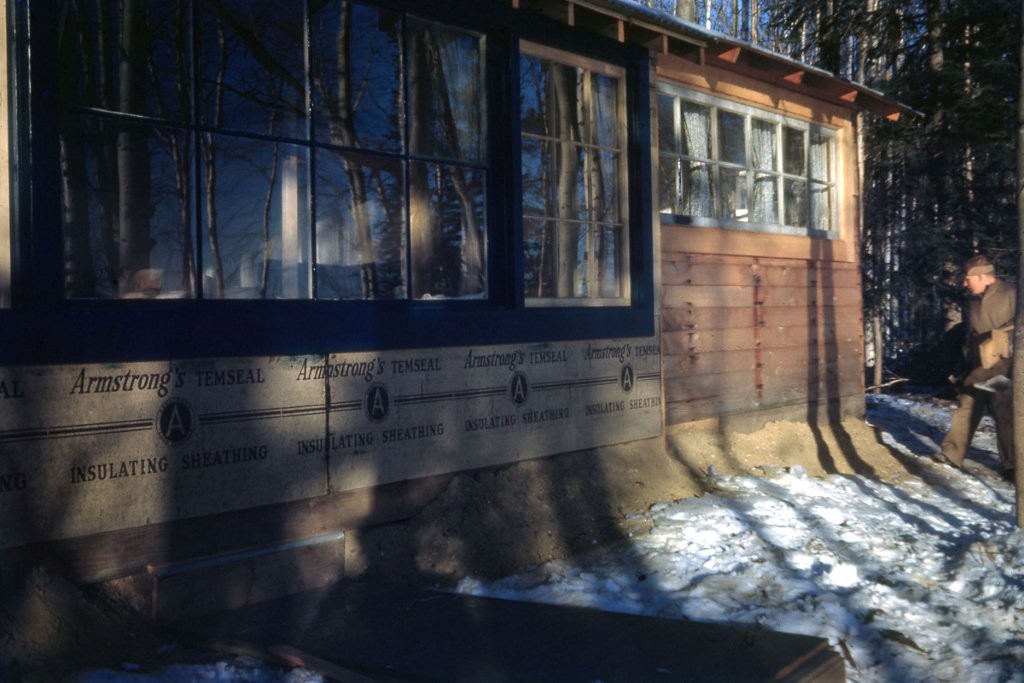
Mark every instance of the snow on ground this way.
pixel 921 580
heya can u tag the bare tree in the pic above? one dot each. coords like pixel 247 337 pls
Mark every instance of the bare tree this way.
pixel 133 165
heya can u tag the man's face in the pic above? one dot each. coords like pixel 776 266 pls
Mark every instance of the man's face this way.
pixel 976 284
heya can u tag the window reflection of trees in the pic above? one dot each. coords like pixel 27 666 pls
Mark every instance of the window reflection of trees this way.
pixel 572 156
pixel 380 143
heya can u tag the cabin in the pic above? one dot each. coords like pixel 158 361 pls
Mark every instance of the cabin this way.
pixel 271 272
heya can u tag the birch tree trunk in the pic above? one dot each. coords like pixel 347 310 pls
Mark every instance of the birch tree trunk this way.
pixel 133 167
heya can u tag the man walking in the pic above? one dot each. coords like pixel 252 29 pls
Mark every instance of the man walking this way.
pixel 990 313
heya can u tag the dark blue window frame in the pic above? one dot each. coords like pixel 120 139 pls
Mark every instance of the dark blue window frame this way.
pixel 45 327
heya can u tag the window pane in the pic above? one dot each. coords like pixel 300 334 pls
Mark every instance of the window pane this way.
pixel 734 194
pixel 732 144
pixel 763 150
pixel 125 200
pixel 601 184
pixel 821 157
pixel 126 57
pixel 794 160
pixel 762 145
pixel 821 207
pixel 796 203
pixel 536 177
pixel 697 130
pixel 251 61
pixel 610 245
pixel 698 199
pixel 447 231
pixel 573 271
pixel 669 189
pixel 360 229
pixel 554 181
pixel 765 208
pixel 539 262
pixel 533 83
pixel 356 76
pixel 668 139
pixel 256 231
pixel 601 123
pixel 446 92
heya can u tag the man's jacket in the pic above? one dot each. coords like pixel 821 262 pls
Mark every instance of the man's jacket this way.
pixel 991 319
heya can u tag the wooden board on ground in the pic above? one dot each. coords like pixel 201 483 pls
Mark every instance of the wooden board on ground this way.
pixel 385 633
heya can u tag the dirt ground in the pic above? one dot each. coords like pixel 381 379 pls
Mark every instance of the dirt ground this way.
pixel 486 524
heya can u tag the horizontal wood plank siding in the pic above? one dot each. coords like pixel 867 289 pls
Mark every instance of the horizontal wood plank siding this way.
pixel 745 334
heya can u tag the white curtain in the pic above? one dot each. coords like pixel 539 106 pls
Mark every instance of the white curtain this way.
pixel 764 148
pixel 697 129
pixel 821 206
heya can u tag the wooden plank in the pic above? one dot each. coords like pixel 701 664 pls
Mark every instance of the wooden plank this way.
pixel 827 276
pixel 726 270
pixel 785 395
pixel 689 343
pixel 784 316
pixel 806 297
pixel 694 272
pixel 797 363
pixel 690 239
pixel 707 363
pixel 844 368
pixel 679 296
pixel 690 318
pixel 778 336
pixel 739 409
pixel 394 633
pixel 709 386
pixel 815 376
pixel 695 342
pixel 680 412
pixel 777 361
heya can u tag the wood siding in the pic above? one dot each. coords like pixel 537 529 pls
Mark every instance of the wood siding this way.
pixel 747 333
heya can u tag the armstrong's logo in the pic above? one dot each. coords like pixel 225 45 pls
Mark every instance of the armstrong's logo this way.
pixel 175 421
pixel 518 389
pixel 377 403
pixel 626 378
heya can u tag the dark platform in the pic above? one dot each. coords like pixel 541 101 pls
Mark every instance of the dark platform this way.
pixel 362 631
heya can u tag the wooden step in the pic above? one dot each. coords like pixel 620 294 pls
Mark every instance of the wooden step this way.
pixel 231 580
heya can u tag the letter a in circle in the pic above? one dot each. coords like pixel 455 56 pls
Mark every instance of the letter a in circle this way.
pixel 518 389
pixel 377 403
pixel 626 378
pixel 175 420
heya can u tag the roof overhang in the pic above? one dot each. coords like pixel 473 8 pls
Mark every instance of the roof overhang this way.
pixel 662 33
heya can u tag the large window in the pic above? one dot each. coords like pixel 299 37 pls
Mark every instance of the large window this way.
pixel 257 176
pixel 574 175
pixel 380 144
pixel 722 164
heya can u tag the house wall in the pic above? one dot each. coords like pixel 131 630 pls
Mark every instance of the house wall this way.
pixel 130 463
pixel 758 326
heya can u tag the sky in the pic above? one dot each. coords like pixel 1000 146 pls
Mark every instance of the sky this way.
pixel 917 580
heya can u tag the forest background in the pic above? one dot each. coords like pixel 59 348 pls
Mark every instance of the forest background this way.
pixel 938 186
